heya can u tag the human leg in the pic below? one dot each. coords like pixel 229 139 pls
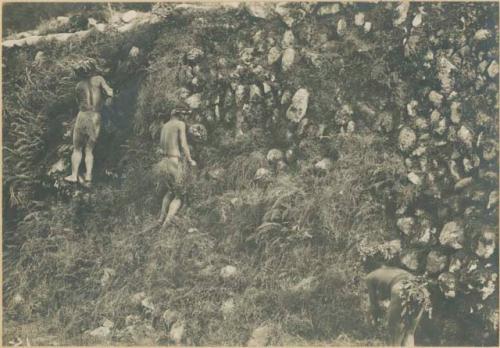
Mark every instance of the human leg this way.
pixel 164 206
pixel 173 208
pixel 94 131
pixel 78 141
pixel 395 324
pixel 76 158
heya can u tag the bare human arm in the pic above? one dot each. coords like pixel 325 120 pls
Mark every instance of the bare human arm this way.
pixel 163 142
pixel 105 87
pixel 184 144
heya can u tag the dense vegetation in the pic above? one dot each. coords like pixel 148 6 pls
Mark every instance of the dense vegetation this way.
pixel 272 258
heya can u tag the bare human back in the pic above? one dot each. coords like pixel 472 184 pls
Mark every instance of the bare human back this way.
pixel 90 95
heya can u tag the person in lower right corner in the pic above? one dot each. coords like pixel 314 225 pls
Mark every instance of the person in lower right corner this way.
pixel 390 283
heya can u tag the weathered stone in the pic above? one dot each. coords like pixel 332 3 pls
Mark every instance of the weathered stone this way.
pixel 486 243
pixel 298 108
pixel 287 59
pixel 453 167
pixel 324 166
pixel 414 178
pixel 436 98
pixel 134 52
pixel 194 101
pixel 421 123
pixel 467 164
pixel 262 174
pixel 482 34
pixel 492 200
pixel 419 151
pixel 359 19
pixel 259 9
pixel 410 259
pixel 462 183
pixel 129 16
pixel 402 10
pixel 447 284
pixel 351 126
pixel 465 136
pixel 273 55
pixel 493 69
pixel 341 27
pixel 407 139
pixel 328 9
pixel 490 148
pixel 261 336
pixel 435 116
pixel 452 235
pixel 290 156
pixel 417 20
pixel 274 155
pixel 406 225
pixel 198 132
pixel 288 39
pixel 410 108
pixel 101 27
pixel 455 112
pixel 367 27
pixel 436 262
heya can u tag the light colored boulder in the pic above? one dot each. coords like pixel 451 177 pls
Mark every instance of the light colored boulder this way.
pixel 486 243
pixel 287 59
pixel 288 39
pixel 341 27
pixel 298 108
pixel 436 262
pixel 262 174
pixel 359 19
pixel 493 69
pixel 273 55
pixel 328 9
pixel 447 284
pixel 129 16
pixel 452 235
pixel 465 136
pixel 194 101
pixel 436 98
pixel 406 225
pixel 407 139
pixel 274 155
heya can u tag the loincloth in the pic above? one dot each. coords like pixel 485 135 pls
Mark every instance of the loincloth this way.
pixel 87 128
pixel 170 174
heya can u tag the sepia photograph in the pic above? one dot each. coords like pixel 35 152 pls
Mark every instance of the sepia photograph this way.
pixel 241 173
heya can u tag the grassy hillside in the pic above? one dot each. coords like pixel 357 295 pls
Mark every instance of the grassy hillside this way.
pixel 270 259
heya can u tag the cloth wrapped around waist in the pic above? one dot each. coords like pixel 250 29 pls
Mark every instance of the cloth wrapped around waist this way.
pixel 170 173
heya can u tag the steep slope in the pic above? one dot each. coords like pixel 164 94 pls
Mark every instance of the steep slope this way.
pixel 362 142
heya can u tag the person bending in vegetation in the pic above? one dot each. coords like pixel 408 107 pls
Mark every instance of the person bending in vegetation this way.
pixel 89 93
pixel 407 302
pixel 170 170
